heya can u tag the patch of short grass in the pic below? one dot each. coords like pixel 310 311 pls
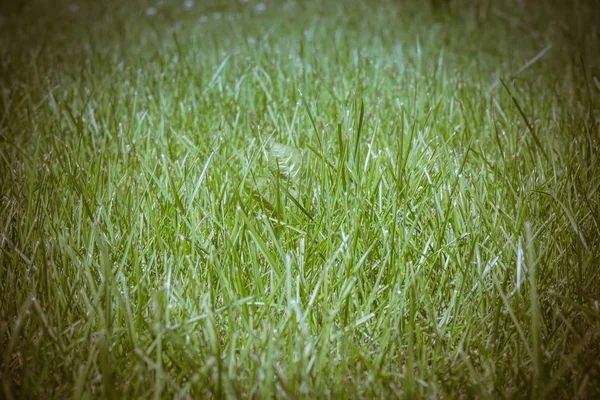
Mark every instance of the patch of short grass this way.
pixel 310 200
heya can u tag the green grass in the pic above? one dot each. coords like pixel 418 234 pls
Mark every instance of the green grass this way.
pixel 347 199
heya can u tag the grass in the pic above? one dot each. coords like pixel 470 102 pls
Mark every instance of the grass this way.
pixel 339 199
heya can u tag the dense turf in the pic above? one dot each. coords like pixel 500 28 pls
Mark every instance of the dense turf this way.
pixel 343 199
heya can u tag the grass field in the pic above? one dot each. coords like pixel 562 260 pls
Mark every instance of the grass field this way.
pixel 299 199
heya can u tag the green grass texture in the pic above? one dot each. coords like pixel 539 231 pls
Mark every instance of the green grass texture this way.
pixel 299 199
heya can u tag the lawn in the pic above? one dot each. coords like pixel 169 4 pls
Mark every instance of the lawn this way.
pixel 299 199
